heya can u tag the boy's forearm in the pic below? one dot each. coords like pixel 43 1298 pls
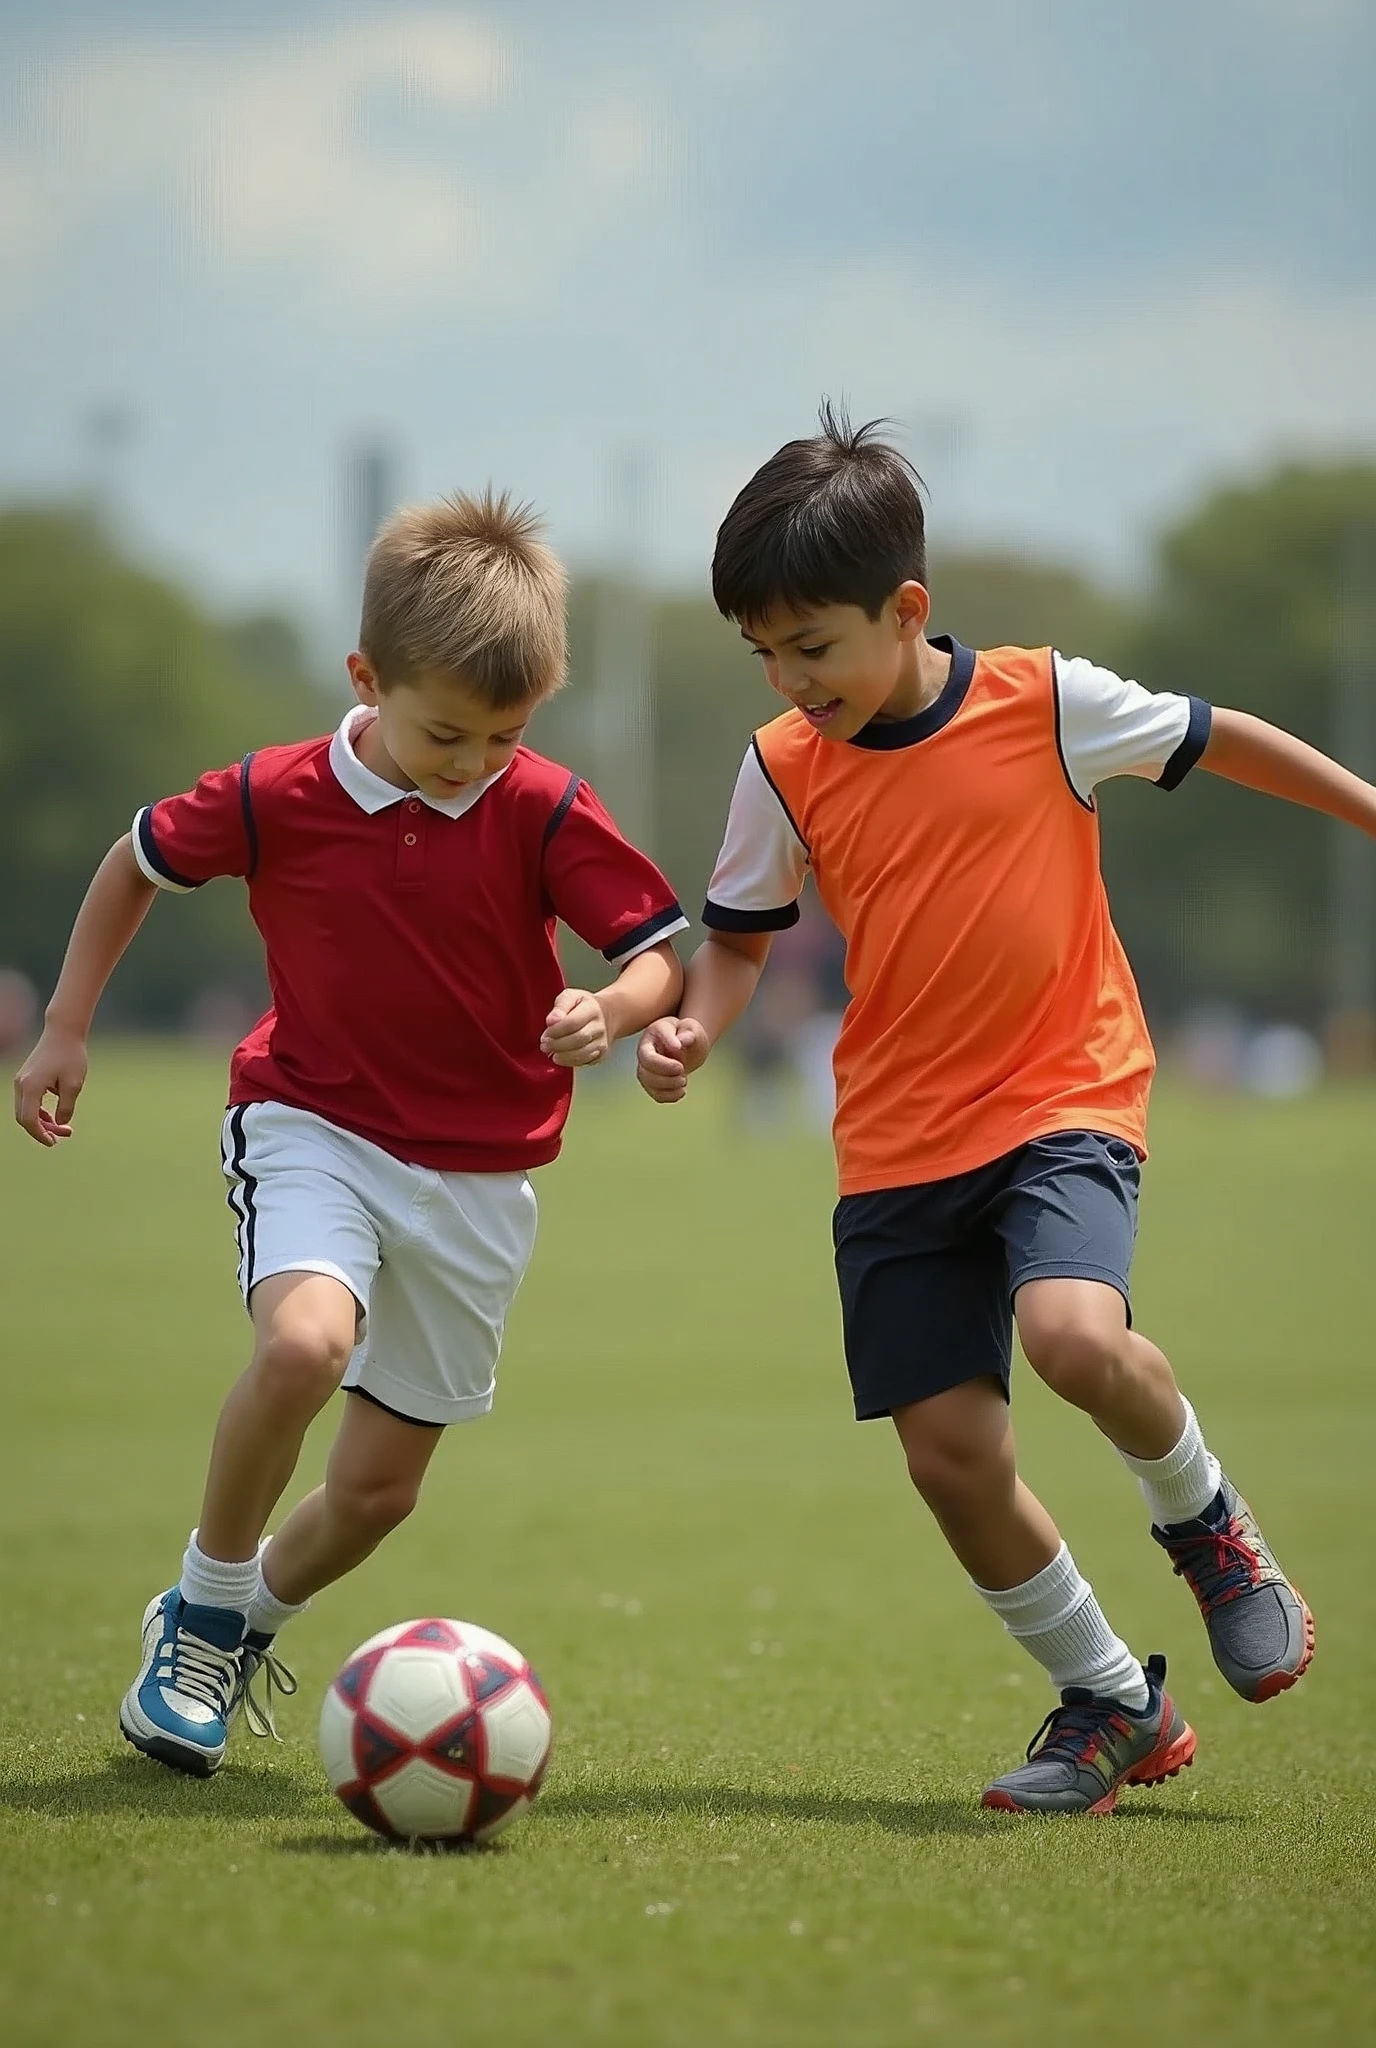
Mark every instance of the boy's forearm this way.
pixel 1245 749
pixel 647 987
pixel 114 907
pixel 722 977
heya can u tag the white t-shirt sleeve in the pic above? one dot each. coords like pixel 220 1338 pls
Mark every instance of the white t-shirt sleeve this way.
pixel 762 865
pixel 1107 726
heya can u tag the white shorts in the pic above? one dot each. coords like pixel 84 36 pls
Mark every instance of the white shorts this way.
pixel 432 1259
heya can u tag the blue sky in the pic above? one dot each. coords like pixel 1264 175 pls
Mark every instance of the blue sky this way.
pixel 1092 258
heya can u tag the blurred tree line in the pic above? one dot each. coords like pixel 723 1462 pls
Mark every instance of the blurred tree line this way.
pixel 116 687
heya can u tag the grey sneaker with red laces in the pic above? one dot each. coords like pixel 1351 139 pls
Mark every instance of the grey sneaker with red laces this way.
pixel 1088 1749
pixel 1260 1630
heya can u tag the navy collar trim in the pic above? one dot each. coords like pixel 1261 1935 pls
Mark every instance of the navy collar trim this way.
pixel 884 734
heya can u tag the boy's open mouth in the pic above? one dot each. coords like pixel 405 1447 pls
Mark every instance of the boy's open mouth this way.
pixel 819 714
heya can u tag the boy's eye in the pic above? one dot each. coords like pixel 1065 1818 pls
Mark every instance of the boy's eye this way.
pixel 814 653
pixel 443 739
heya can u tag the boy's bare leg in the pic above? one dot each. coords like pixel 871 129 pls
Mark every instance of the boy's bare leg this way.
pixel 959 1448
pixel 1116 1724
pixel 371 1484
pixel 197 1636
pixel 1076 1336
pixel 304 1326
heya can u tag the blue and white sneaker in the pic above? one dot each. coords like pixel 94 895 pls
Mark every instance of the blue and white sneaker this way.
pixel 178 1708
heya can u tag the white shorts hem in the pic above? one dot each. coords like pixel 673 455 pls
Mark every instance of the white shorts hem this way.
pixel 416 1405
pixel 325 1267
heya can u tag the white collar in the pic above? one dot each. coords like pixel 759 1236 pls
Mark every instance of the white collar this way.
pixel 372 794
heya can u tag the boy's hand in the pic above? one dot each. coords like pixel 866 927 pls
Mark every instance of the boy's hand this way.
pixel 576 1033
pixel 671 1050
pixel 56 1066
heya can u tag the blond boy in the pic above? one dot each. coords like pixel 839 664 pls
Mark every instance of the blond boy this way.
pixel 406 874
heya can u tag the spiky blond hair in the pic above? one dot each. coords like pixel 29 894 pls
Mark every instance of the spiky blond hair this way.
pixel 466 588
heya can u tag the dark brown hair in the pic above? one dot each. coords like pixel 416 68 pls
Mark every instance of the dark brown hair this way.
pixel 836 519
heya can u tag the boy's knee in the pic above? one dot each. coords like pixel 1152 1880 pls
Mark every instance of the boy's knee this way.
pixel 949 1470
pixel 301 1366
pixel 374 1506
pixel 1078 1358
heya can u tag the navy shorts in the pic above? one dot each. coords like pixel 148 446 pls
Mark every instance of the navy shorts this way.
pixel 928 1273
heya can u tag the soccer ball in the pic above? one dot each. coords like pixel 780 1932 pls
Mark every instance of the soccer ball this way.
pixel 436 1731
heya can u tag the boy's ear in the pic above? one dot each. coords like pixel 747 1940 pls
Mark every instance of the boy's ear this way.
pixel 363 676
pixel 912 608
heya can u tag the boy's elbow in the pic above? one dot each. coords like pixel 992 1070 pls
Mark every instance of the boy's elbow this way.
pixel 673 974
pixel 657 972
pixel 751 946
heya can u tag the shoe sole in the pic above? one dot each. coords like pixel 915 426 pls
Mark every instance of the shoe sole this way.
pixel 163 1750
pixel 1281 1681
pixel 1166 1761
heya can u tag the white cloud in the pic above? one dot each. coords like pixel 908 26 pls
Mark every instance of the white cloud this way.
pixel 351 162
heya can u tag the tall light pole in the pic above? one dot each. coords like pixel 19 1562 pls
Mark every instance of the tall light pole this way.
pixel 368 493
pixel 108 430
pixel 623 711
pixel 940 444
pixel 1351 1021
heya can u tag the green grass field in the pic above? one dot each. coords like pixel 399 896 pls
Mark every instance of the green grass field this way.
pixel 776 1701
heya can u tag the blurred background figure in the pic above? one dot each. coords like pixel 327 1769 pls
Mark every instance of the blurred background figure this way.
pixel 18 1011
pixel 786 1037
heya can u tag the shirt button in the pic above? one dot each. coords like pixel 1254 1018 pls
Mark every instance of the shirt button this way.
pixel 410 839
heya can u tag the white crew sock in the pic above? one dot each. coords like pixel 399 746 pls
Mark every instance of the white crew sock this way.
pixel 266 1612
pixel 211 1582
pixel 1057 1619
pixel 1179 1486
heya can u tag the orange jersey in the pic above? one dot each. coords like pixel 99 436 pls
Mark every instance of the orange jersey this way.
pixel 958 853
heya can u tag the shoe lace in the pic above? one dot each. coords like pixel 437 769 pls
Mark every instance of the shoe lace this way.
pixel 1075 1730
pixel 277 1677
pixel 201 1670
pixel 1216 1565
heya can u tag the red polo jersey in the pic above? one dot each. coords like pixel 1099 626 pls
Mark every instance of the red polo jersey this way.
pixel 411 940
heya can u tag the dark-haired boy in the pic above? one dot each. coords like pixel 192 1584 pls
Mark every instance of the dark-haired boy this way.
pixel 992 1071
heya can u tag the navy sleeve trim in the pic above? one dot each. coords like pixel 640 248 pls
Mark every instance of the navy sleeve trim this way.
pixel 635 941
pixel 1191 747
pixel 250 823
pixel 1085 803
pixel 561 809
pixel 149 846
pixel 778 796
pixel 718 918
